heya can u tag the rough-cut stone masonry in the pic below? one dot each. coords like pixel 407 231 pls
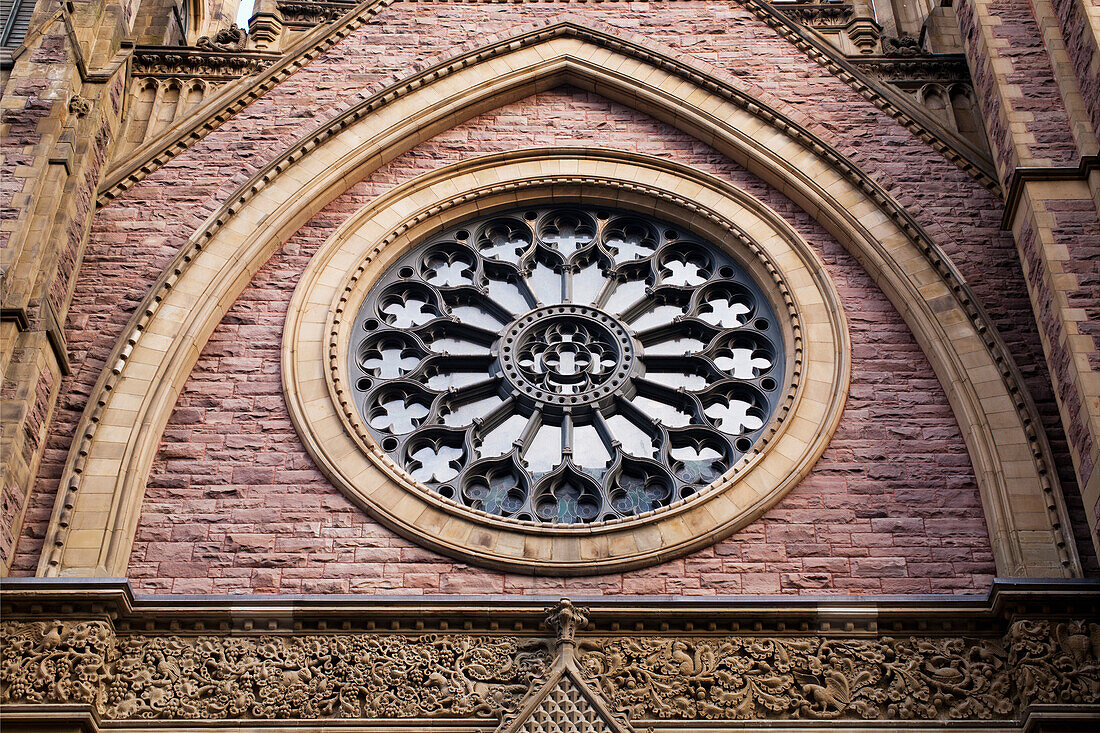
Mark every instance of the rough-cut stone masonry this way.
pixel 137 233
pixel 1081 44
pixel 234 503
pixel 1029 127
pixel 1014 49
pixel 1075 225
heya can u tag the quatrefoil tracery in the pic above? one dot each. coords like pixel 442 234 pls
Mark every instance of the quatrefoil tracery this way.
pixel 566 365
pixel 567 358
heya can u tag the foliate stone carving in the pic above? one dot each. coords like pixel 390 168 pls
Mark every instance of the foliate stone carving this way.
pixel 801 678
pixel 818 15
pixel 232 38
pixel 903 46
pixel 162 62
pixel 1055 663
pixel 949 68
pixel 266 677
pixel 677 677
pixel 309 14
pixel 55 662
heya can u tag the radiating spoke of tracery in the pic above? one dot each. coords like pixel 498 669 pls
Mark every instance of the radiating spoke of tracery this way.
pixel 566 365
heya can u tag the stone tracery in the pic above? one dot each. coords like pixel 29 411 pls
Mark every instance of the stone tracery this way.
pixel 566 365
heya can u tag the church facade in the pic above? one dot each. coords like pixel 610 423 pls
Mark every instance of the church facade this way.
pixel 696 365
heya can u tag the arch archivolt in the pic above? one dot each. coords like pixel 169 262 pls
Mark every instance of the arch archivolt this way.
pixel 99 501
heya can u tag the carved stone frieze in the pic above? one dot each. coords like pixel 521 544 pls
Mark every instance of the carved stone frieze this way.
pixel 751 678
pixel 182 62
pixel 55 661
pixel 1055 663
pixel 316 676
pixel 506 663
pixel 310 14
pixel 133 677
pixel 937 67
pixel 818 14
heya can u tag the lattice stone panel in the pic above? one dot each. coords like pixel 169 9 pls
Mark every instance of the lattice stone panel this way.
pixel 564 711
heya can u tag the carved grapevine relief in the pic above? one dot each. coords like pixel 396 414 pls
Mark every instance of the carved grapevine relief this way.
pixel 54 662
pixel 226 677
pixel 366 675
pixel 1055 663
pixel 812 678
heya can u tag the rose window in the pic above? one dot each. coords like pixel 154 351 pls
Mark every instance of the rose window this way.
pixel 566 365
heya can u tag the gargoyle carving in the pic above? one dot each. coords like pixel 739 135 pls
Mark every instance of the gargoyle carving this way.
pixel 232 38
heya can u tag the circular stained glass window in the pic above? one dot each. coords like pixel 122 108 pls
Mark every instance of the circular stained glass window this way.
pixel 566 366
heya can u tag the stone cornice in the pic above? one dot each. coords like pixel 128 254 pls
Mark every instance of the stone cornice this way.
pixel 189 62
pixel 1023 176
pixel 113 599
pixel 818 14
pixel 308 14
pixel 948 67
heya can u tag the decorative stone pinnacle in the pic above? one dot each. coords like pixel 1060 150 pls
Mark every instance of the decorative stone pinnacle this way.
pixel 566 619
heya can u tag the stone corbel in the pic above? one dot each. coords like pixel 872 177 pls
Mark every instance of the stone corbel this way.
pixel 865 33
pixel 266 26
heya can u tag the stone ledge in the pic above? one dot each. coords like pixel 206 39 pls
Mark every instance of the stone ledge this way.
pixel 833 615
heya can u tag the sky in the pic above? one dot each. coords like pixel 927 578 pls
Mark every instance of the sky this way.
pixel 244 12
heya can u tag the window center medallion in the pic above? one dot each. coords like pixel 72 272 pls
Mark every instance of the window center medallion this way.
pixel 567 355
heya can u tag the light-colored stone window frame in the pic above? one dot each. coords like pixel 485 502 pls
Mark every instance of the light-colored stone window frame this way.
pixel 319 396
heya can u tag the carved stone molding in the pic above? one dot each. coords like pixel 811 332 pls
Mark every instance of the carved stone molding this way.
pixel 796 678
pixel 933 67
pixel 183 62
pixel 639 663
pixel 305 14
pixel 265 677
pixel 818 14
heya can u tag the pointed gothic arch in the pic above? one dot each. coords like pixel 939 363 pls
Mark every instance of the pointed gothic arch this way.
pixel 99 502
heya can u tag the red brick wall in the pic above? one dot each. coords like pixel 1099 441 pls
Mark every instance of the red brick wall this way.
pixel 137 233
